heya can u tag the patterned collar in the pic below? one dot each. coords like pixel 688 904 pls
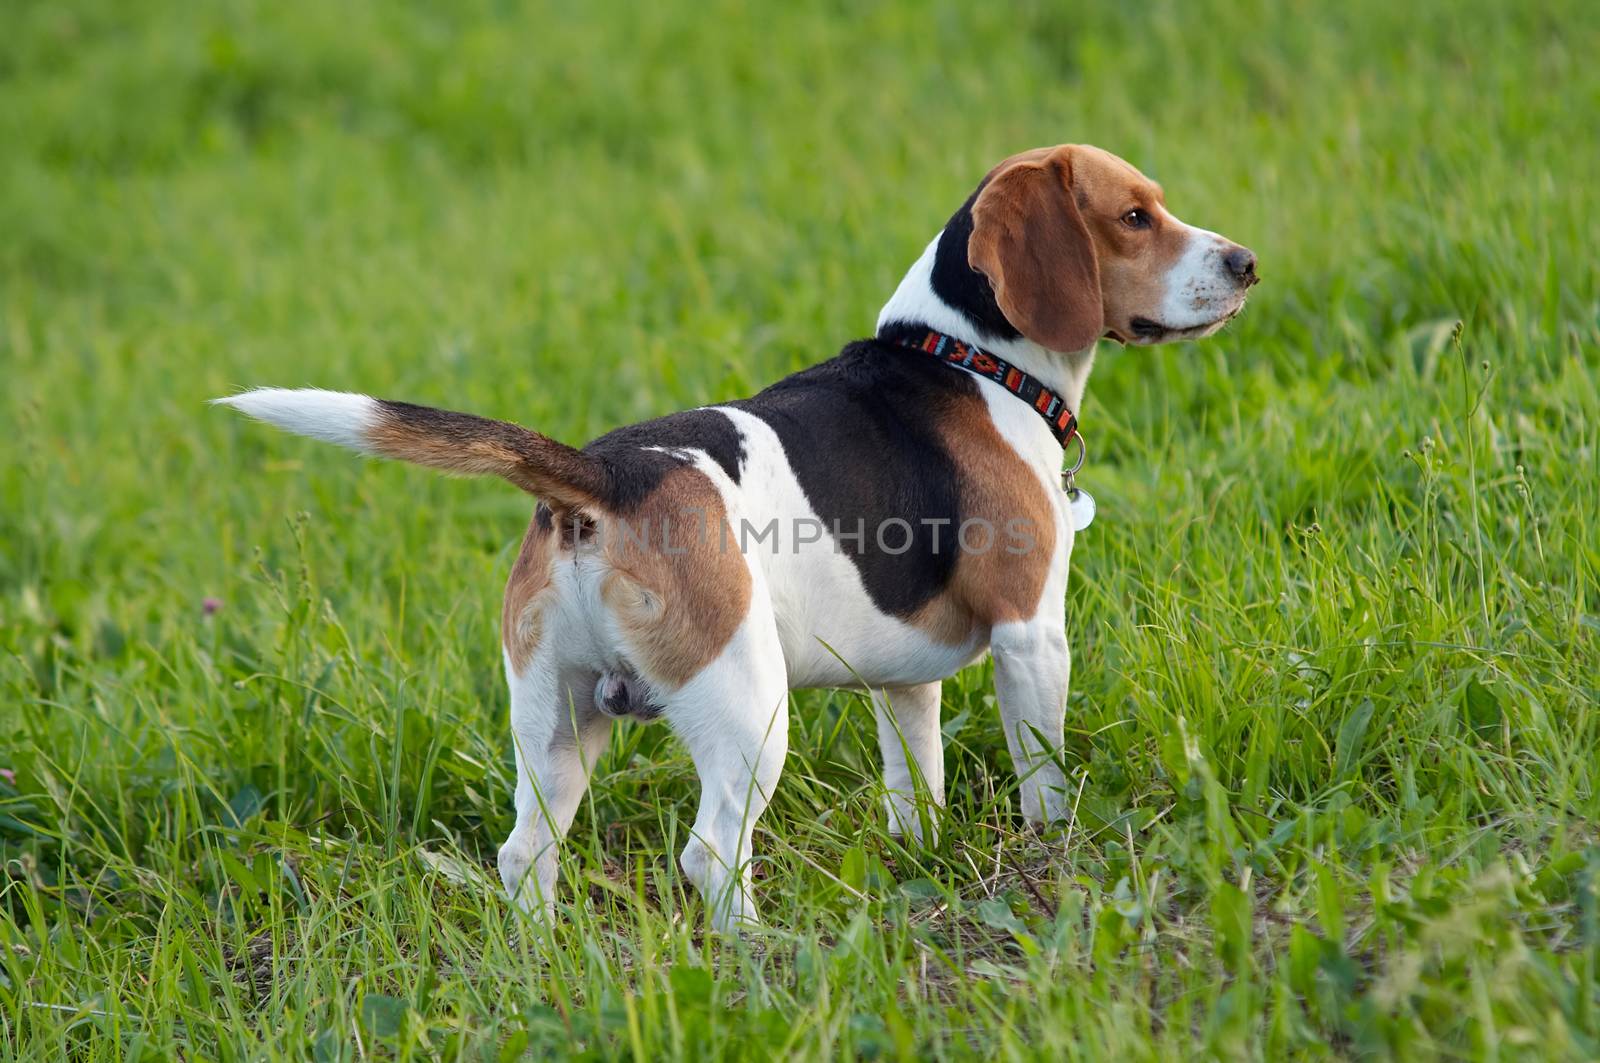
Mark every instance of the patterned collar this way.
pixel 979 362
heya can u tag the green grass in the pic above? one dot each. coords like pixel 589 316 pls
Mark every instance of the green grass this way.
pixel 1334 720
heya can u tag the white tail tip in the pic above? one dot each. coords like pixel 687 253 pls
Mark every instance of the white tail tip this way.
pixel 331 416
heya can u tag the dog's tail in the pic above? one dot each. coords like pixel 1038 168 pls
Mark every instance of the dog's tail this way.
pixel 563 477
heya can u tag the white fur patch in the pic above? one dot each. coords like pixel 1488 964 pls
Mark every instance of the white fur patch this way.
pixel 331 416
pixel 915 301
pixel 1199 291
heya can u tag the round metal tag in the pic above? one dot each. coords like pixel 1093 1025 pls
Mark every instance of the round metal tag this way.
pixel 1081 504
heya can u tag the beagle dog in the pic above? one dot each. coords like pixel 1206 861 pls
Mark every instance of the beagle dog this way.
pixel 880 520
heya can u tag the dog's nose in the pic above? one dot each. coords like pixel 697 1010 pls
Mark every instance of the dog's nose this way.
pixel 1241 265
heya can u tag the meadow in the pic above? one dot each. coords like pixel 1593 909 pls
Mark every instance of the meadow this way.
pixel 1335 710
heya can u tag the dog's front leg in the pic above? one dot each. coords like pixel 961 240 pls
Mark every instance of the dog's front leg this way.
pixel 1032 666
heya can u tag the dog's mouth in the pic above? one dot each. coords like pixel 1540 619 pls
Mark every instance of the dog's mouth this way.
pixel 1143 330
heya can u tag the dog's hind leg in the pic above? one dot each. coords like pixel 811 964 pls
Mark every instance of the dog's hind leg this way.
pixel 908 733
pixel 558 735
pixel 734 717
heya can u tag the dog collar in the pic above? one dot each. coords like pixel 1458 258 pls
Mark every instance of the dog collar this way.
pixel 979 362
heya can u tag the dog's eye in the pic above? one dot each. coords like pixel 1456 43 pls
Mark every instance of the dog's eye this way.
pixel 1136 219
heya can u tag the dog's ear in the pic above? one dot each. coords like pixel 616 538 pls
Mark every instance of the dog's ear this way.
pixel 1029 240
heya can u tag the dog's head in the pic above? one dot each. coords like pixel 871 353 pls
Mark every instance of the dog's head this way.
pixel 1077 244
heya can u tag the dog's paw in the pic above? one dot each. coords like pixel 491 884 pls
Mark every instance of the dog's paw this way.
pixel 726 895
pixel 1044 801
pixel 515 861
pixel 907 820
pixel 736 914
pixel 520 877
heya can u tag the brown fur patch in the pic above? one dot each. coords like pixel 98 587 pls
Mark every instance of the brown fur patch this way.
pixel 562 476
pixel 678 584
pixel 994 585
pixel 1029 240
pixel 1048 233
pixel 1133 262
pixel 522 615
